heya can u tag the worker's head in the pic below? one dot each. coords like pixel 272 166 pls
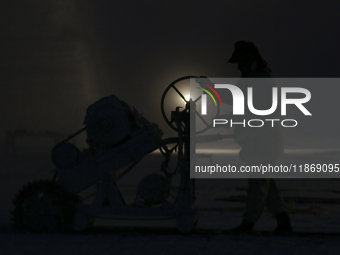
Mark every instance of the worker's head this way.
pixel 247 57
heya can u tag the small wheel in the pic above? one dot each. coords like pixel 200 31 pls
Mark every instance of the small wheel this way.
pixel 186 222
pixel 81 221
pixel 65 156
pixel 43 206
pixel 172 85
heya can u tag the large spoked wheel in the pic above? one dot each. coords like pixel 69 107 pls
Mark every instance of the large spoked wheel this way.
pixel 43 206
pixel 173 86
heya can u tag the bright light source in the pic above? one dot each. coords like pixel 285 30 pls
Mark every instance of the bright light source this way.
pixel 187 97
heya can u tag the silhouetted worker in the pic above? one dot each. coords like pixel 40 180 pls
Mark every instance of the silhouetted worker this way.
pixel 262 145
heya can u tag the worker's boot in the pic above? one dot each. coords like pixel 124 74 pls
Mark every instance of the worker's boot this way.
pixel 283 225
pixel 246 227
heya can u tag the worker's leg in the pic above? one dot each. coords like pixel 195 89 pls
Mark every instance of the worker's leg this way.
pixel 257 193
pixel 277 207
pixel 256 198
pixel 274 201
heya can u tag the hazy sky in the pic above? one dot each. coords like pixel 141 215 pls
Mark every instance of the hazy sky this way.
pixel 51 73
pixel 153 43
pixel 297 38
